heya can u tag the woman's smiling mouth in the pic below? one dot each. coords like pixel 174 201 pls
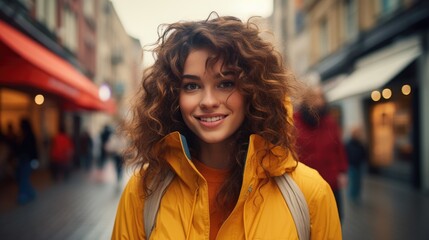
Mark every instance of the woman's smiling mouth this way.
pixel 211 119
pixel 211 122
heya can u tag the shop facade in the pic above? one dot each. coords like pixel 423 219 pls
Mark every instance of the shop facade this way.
pixel 387 107
pixel 372 58
pixel 382 85
pixel 39 85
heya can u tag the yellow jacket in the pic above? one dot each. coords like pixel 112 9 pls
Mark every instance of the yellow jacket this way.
pixel 260 213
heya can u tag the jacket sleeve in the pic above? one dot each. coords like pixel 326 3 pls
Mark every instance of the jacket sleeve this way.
pixel 325 222
pixel 129 215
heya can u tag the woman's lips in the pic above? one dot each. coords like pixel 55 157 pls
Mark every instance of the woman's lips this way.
pixel 211 122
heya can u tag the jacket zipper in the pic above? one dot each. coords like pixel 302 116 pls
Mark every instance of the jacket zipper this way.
pixel 249 191
pixel 197 192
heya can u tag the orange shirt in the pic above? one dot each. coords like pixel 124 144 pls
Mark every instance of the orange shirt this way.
pixel 215 178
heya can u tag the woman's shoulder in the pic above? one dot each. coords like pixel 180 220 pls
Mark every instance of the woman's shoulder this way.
pixel 134 184
pixel 133 191
pixel 321 203
pixel 129 214
pixel 310 182
pixel 303 171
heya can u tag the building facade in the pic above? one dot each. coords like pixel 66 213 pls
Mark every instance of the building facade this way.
pixel 50 71
pixel 119 56
pixel 372 59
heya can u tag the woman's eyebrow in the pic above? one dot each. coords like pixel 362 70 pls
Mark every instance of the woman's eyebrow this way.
pixel 190 76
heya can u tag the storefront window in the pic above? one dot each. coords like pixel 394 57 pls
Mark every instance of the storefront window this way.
pixel 382 135
pixel 391 145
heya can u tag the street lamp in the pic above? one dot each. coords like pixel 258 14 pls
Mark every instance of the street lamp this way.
pixel 104 92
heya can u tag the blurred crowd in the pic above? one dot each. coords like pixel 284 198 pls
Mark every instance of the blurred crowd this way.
pixel 19 156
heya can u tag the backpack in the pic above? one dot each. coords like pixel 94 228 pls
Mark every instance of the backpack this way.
pixel 291 193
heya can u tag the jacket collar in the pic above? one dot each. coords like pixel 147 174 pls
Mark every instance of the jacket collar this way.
pixel 276 160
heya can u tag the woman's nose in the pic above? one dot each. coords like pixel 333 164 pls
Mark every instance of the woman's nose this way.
pixel 209 99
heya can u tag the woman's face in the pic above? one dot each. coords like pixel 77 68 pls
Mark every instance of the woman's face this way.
pixel 209 101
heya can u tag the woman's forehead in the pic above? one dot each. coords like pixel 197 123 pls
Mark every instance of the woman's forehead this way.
pixel 203 60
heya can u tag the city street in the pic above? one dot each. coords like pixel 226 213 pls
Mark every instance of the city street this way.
pixel 389 210
pixel 74 74
pixel 84 208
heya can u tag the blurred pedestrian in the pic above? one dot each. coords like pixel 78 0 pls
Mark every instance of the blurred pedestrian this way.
pixel 104 137
pixel 4 153
pixel 12 140
pixel 319 142
pixel 115 148
pixel 27 155
pixel 61 155
pixel 211 133
pixel 8 153
pixel 85 150
pixel 357 156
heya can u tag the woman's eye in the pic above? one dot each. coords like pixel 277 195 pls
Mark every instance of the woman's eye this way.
pixel 227 84
pixel 190 86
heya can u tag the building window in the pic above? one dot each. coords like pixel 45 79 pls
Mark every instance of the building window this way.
pixel 46 13
pixel 299 21
pixel 324 37
pixel 387 7
pixel 89 13
pixel 88 9
pixel 70 29
pixel 299 16
pixel 351 27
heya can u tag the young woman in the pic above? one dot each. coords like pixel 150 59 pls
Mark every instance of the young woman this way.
pixel 214 110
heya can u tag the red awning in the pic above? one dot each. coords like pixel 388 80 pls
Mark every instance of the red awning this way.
pixel 26 64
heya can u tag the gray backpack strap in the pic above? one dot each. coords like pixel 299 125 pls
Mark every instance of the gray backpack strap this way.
pixel 151 205
pixel 297 204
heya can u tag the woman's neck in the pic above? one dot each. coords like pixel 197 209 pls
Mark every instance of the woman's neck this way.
pixel 215 155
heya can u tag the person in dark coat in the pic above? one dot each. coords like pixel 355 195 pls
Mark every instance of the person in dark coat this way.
pixel 104 137
pixel 27 155
pixel 85 150
pixel 356 155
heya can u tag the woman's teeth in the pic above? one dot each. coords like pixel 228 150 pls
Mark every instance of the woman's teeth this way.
pixel 211 119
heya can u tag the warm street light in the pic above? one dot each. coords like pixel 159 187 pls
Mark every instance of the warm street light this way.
pixel 39 99
pixel 387 93
pixel 406 89
pixel 375 96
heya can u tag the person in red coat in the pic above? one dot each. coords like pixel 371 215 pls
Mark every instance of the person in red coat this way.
pixel 61 155
pixel 319 143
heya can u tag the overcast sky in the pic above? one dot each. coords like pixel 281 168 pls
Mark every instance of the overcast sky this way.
pixel 142 17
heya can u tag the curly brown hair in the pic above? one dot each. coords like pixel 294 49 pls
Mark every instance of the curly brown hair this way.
pixel 261 78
